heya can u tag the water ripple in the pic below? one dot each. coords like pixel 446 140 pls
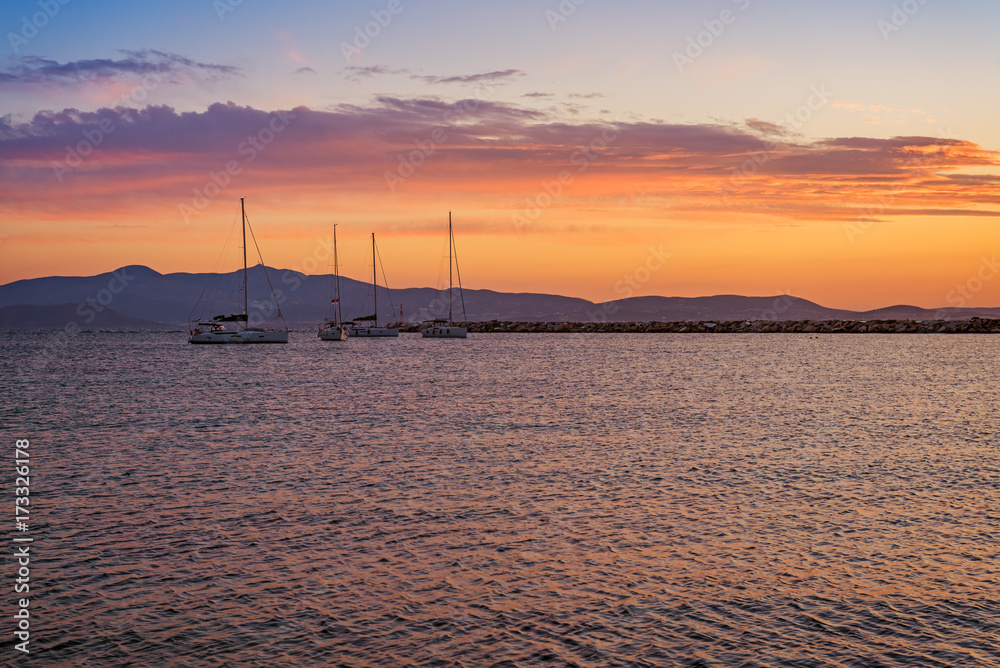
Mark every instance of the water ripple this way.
pixel 577 500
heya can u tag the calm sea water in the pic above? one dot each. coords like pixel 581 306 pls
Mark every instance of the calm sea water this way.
pixel 508 500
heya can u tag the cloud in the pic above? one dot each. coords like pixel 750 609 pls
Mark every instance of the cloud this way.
pixel 491 77
pixel 31 70
pixel 305 70
pixel 291 46
pixel 354 73
pixel 878 114
pixel 421 147
pixel 766 128
pixel 940 212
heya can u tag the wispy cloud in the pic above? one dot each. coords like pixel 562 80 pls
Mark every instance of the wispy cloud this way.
pixel 32 70
pixel 356 72
pixel 290 46
pixel 492 77
pixel 879 114
pixel 767 128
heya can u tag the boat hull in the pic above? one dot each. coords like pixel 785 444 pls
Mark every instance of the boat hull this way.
pixel 333 334
pixel 241 336
pixel 450 332
pixel 373 332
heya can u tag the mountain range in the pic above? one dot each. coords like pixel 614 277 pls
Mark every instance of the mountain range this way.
pixel 138 297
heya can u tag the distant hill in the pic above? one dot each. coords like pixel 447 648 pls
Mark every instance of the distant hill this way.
pixel 149 298
pixel 26 316
pixel 781 307
pixel 720 307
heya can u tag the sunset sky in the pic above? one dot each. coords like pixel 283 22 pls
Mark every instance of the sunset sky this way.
pixel 844 152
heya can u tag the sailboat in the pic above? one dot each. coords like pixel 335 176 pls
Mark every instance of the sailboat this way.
pixel 373 331
pixel 333 329
pixel 216 330
pixel 447 329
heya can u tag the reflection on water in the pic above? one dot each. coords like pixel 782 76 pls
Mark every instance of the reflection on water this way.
pixel 512 500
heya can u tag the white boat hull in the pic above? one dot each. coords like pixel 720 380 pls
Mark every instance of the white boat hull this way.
pixel 450 332
pixel 370 332
pixel 240 336
pixel 333 334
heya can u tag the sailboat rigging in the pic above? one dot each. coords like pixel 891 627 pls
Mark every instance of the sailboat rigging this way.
pixel 447 329
pixel 374 330
pixel 334 329
pixel 215 330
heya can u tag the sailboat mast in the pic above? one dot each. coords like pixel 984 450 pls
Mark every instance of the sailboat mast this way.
pixel 336 274
pixel 243 214
pixel 450 290
pixel 374 280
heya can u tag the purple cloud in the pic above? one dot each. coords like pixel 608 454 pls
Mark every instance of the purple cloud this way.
pixel 31 70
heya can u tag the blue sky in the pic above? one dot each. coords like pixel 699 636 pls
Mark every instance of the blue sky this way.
pixel 942 61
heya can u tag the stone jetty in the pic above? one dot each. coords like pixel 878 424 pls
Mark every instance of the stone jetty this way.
pixel 971 326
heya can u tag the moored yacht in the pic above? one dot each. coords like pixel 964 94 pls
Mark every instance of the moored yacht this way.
pixel 447 329
pixel 373 330
pixel 334 329
pixel 235 328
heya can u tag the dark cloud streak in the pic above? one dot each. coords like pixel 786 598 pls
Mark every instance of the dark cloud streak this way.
pixel 31 70
pixel 490 77
pixel 355 72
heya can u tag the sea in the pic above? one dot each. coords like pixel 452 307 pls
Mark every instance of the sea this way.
pixel 591 500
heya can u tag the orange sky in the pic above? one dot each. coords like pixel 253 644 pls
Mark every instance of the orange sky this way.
pixel 539 205
pixel 842 152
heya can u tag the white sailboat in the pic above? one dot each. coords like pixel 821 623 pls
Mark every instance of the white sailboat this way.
pixel 374 330
pixel 334 329
pixel 447 329
pixel 217 330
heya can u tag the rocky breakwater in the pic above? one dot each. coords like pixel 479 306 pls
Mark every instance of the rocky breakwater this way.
pixel 971 326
